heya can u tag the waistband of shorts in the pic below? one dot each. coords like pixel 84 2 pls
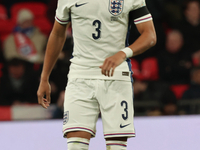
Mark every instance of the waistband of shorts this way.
pixel 118 75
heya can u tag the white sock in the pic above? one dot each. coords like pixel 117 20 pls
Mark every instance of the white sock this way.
pixel 116 145
pixel 76 143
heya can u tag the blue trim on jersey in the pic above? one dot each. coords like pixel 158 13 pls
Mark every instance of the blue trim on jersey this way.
pixel 127 44
pixel 129 66
pixel 127 36
pixel 128 32
pixel 128 60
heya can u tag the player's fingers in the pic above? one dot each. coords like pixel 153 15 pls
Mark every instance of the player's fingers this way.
pixel 48 97
pixel 46 102
pixel 107 66
pixel 42 103
pixel 109 69
pixel 112 71
pixel 40 97
pixel 103 71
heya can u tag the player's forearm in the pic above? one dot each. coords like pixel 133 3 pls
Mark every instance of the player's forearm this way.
pixel 53 49
pixel 146 40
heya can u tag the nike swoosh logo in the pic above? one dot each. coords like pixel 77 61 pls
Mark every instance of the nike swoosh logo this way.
pixel 76 5
pixel 122 126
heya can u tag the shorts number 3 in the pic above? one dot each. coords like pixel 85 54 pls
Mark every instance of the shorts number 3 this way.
pixel 125 105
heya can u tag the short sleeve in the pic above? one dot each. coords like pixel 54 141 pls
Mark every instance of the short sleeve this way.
pixel 140 12
pixel 62 12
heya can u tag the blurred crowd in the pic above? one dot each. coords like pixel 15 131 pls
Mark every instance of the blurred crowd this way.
pixel 166 77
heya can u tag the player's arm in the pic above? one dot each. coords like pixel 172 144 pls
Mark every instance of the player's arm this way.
pixel 146 40
pixel 54 47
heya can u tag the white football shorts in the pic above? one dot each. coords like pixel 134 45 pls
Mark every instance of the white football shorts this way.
pixel 86 98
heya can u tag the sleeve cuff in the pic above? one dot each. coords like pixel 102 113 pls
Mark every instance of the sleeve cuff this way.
pixel 61 21
pixel 143 19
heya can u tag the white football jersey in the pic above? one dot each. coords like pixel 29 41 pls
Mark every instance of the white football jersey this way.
pixel 99 30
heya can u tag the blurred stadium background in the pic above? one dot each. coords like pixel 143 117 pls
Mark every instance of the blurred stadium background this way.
pixel 166 78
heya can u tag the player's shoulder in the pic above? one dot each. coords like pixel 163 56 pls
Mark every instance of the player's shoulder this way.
pixel 65 2
pixel 138 4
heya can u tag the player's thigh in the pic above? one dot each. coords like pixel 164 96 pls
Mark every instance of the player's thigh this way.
pixel 81 109
pixel 117 109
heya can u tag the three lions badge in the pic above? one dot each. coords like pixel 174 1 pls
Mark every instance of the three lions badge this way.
pixel 116 7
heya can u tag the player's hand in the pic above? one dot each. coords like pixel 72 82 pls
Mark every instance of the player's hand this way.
pixel 111 63
pixel 44 90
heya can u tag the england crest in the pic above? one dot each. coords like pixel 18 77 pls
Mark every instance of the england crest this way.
pixel 116 7
pixel 65 117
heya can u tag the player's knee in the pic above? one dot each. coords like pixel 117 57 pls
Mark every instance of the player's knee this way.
pixel 77 143
pixel 81 134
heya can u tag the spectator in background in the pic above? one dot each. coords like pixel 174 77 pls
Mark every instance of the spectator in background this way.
pixel 150 93
pixel 9 3
pixel 146 90
pixel 169 103
pixel 173 12
pixel 18 86
pixel 174 63
pixel 26 42
pixel 190 25
pixel 194 91
pixel 157 93
pixel 196 58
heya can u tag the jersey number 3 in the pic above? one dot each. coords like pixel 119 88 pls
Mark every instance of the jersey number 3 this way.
pixel 97 24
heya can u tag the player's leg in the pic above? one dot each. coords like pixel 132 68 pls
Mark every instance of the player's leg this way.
pixel 116 143
pixel 116 106
pixel 81 134
pixel 78 140
pixel 80 114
